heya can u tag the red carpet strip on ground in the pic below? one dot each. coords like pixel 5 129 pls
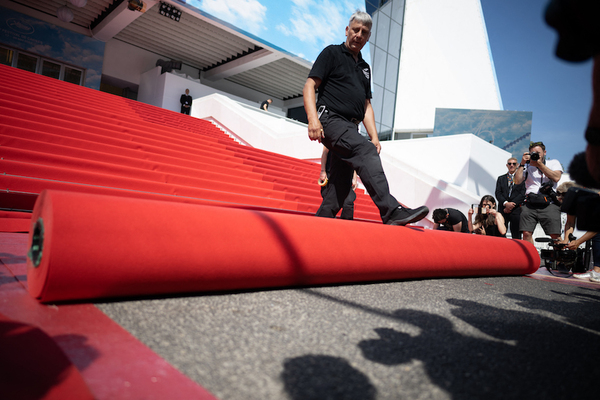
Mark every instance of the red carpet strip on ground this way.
pixel 113 363
pixel 88 246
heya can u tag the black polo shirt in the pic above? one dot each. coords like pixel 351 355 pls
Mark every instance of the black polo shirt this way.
pixel 345 83
pixel 454 217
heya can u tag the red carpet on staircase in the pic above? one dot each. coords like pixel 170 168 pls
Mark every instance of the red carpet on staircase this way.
pixel 68 137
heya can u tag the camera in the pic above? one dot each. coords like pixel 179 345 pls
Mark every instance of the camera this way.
pixel 548 190
pixel 585 205
pixel 535 156
pixel 480 210
pixel 560 260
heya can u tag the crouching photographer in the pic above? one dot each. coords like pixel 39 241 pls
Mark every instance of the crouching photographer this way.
pixel 583 206
pixel 541 204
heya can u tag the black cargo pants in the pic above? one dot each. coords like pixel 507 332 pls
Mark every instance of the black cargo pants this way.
pixel 351 151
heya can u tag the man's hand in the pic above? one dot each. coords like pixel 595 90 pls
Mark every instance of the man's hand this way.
pixel 375 142
pixel 509 206
pixel 322 178
pixel 315 130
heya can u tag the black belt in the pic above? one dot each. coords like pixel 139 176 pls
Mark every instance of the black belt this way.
pixel 353 120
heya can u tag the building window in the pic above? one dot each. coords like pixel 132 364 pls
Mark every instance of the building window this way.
pixel 73 75
pixel 27 62
pixel 41 65
pixel 51 69
pixel 6 56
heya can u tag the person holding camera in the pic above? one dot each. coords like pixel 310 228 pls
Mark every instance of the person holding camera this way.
pixel 541 204
pixel 450 219
pixel 488 221
pixel 570 207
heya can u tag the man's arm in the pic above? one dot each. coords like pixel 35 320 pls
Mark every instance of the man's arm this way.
pixel 369 123
pixel 578 242
pixel 519 176
pixel 551 174
pixel 457 227
pixel 315 129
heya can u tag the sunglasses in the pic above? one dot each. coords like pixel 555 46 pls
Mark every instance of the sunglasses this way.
pixel 512 163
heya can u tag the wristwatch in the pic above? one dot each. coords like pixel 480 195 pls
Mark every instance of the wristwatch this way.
pixel 521 166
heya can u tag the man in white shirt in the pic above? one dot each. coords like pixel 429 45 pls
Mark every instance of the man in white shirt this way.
pixel 536 171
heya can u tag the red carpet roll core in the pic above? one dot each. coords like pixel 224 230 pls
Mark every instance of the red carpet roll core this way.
pixel 86 246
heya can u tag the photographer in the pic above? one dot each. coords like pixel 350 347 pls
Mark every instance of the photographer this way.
pixel 450 219
pixel 592 275
pixel 488 220
pixel 541 205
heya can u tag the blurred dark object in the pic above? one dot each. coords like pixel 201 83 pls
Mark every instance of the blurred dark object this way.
pixel 576 22
pixel 585 205
pixel 578 171
pixel 136 5
pixel 559 260
pixel 547 189
pixel 168 66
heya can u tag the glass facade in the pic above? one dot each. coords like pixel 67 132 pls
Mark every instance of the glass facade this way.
pixel 385 46
pixel 73 75
pixel 50 69
pixel 40 65
pixel 27 62
pixel 6 56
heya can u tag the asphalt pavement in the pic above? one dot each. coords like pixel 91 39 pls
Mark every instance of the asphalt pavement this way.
pixel 463 338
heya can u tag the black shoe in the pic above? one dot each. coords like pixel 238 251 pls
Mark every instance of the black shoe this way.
pixel 404 216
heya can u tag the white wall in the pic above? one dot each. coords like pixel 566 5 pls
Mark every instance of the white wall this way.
pixel 257 128
pixel 445 62
pixel 451 171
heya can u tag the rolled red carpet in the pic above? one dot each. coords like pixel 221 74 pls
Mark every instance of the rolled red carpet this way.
pixel 91 246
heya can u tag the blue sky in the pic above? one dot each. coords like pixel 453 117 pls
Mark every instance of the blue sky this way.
pixel 530 77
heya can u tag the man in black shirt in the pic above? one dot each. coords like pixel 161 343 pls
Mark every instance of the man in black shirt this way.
pixel 265 104
pixel 343 79
pixel 450 219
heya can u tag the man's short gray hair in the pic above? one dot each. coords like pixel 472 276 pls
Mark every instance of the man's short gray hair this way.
pixel 361 17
